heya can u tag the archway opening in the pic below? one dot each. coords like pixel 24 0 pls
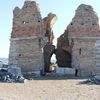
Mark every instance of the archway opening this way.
pixel 53 59
pixel 49 50
pixel 63 58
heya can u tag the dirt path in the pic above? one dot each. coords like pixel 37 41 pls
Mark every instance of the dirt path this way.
pixel 66 89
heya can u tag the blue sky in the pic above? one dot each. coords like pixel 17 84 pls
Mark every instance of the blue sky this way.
pixel 64 9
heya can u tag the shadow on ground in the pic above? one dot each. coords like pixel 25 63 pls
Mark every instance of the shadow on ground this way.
pixel 53 77
pixel 89 82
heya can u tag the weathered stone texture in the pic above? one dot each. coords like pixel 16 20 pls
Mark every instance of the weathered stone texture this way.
pixel 85 22
pixel 27 38
pixel 27 21
pixel 49 49
pixel 83 56
pixel 83 32
pixel 63 51
pixel 78 47
pixel 49 21
pixel 63 57
pixel 81 39
pixel 63 41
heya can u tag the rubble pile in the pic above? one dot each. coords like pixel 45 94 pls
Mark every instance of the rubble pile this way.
pixel 93 80
pixel 11 75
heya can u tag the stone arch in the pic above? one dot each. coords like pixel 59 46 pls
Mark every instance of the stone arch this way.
pixel 49 49
pixel 63 57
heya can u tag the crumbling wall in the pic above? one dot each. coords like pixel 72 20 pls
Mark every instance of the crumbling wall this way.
pixel 27 38
pixel 49 49
pixel 83 32
pixel 84 23
pixel 49 21
pixel 63 51
pixel 77 47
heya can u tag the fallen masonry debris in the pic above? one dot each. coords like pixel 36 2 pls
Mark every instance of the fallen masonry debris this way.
pixel 93 80
pixel 11 75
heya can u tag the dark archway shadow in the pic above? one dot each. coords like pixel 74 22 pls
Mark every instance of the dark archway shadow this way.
pixel 63 58
pixel 49 50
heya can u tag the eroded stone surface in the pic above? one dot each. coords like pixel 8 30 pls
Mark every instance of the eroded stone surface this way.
pixel 49 49
pixel 27 38
pixel 84 23
pixel 49 21
pixel 63 51
pixel 79 43
pixel 83 32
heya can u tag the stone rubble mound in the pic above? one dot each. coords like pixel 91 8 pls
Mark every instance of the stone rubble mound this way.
pixel 12 75
pixel 94 80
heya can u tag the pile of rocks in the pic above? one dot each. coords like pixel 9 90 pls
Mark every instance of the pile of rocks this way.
pixel 11 75
pixel 94 80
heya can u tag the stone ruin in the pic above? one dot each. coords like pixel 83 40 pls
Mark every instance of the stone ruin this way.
pixel 49 21
pixel 83 39
pixel 84 33
pixel 27 38
pixel 30 33
pixel 49 48
pixel 31 40
pixel 63 51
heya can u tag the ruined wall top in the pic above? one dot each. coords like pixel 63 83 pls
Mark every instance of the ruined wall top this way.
pixel 27 21
pixel 49 21
pixel 85 22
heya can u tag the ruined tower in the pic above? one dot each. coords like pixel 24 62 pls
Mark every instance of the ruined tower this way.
pixel 84 34
pixel 27 38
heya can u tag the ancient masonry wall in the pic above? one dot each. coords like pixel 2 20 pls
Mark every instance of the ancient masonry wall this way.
pixel 27 38
pixel 83 32
pixel 83 56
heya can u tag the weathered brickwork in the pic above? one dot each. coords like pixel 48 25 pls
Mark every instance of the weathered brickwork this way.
pixel 82 40
pixel 78 47
pixel 49 21
pixel 83 32
pixel 84 23
pixel 27 38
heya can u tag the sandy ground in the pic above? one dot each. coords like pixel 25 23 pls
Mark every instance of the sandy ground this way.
pixel 50 89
